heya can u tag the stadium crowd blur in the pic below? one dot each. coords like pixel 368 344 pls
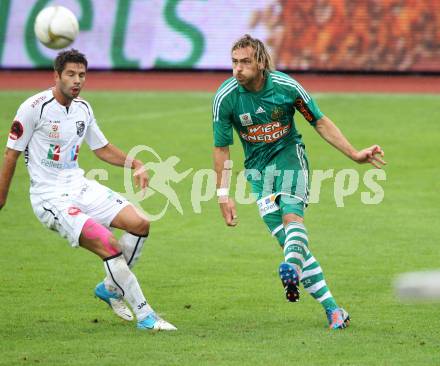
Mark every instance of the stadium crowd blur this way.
pixel 370 35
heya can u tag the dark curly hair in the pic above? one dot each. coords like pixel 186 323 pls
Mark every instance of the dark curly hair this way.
pixel 64 57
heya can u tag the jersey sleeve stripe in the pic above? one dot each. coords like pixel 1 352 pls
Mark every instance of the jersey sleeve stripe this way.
pixel 295 85
pixel 288 79
pixel 44 104
pixel 306 99
pixel 221 92
pixel 290 82
pixel 82 102
pixel 224 93
pixel 222 89
pixel 217 111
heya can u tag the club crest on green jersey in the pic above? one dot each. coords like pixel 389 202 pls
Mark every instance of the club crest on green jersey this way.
pixel 245 119
pixel 277 113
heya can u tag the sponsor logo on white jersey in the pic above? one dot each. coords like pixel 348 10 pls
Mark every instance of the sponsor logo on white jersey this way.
pixel 80 127
pixel 54 130
pixel 38 101
pixel 16 130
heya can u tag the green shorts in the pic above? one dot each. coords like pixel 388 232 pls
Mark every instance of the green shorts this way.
pixel 282 187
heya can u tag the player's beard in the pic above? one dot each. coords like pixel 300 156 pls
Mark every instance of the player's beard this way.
pixel 69 93
pixel 248 82
pixel 242 79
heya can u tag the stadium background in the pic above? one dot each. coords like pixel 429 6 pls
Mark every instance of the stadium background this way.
pixel 328 35
pixel 356 38
pixel 224 294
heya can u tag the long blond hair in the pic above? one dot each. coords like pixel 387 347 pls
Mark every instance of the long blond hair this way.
pixel 261 53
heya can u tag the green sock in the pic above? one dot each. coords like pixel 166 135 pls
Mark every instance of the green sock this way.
pixel 297 253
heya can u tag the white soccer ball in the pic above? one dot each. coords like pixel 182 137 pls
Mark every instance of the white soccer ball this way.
pixel 56 27
pixel 418 286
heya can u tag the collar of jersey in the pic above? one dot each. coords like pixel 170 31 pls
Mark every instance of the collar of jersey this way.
pixel 268 84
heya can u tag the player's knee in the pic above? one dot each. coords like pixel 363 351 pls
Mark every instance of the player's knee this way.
pixel 141 228
pixel 113 242
pixel 291 217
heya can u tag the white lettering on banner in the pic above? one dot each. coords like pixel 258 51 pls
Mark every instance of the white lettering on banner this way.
pixel 185 34
pixel 164 172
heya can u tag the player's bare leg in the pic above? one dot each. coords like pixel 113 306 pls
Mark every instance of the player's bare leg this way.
pixel 101 241
pixel 105 247
pixel 136 227
pixel 131 244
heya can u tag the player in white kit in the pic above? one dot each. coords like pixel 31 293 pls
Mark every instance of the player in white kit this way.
pixel 50 128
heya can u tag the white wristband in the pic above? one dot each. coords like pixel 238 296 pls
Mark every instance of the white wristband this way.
pixel 221 192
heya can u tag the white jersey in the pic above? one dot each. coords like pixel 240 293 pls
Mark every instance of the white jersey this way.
pixel 50 135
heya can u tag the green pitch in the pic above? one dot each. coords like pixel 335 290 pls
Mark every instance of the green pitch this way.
pixel 219 285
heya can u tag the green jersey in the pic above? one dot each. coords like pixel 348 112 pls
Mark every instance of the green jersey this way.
pixel 263 120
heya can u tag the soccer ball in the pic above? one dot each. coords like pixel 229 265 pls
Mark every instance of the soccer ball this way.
pixel 418 286
pixel 56 27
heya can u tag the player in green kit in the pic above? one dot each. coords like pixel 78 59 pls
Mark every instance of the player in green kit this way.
pixel 259 104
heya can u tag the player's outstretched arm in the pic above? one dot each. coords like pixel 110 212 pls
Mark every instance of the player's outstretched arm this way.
pixel 223 171
pixel 7 172
pixel 112 155
pixel 333 135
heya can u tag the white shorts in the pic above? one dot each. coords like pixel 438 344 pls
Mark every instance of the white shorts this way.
pixel 66 213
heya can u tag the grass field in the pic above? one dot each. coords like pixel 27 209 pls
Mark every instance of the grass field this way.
pixel 219 285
